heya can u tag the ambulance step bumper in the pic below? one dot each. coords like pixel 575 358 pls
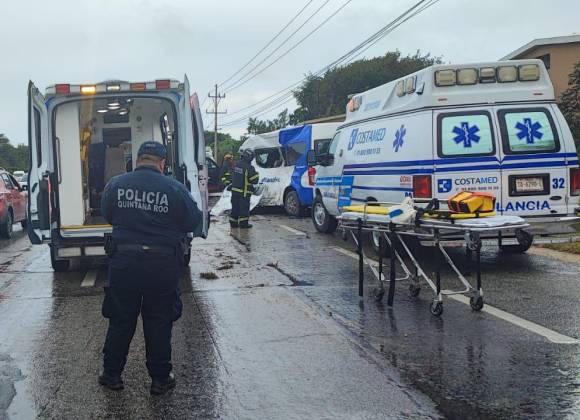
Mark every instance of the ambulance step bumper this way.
pixel 553 225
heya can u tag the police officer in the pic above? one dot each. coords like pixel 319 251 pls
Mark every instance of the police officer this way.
pixel 151 215
pixel 244 177
pixel 226 169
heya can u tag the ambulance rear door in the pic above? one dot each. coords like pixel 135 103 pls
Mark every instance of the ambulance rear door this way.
pixel 41 171
pixel 534 161
pixel 193 152
pixel 467 152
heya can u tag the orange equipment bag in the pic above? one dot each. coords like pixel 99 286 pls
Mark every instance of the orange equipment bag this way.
pixel 471 202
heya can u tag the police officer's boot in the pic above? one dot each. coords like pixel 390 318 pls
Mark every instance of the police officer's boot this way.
pixel 114 383
pixel 160 387
pixel 246 225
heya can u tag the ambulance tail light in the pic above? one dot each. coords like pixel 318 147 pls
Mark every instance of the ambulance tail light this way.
pixel 62 89
pixel 311 176
pixel 138 86
pixel 422 186
pixel 162 84
pixel 574 181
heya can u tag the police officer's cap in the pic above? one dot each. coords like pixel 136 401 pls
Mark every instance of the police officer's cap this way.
pixel 153 148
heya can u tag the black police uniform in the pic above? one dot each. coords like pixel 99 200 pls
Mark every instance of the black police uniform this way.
pixel 151 215
pixel 244 177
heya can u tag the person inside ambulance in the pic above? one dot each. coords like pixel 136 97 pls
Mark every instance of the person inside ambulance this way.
pixel 244 177
pixel 151 215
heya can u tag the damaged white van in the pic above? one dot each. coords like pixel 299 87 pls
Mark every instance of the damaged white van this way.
pixel 490 127
pixel 82 135
pixel 285 178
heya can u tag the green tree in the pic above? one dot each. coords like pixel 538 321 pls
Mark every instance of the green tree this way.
pixel 226 144
pixel 323 96
pixel 570 104
pixel 13 158
pixel 256 126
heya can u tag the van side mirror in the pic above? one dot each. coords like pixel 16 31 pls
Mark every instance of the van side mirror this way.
pixel 311 158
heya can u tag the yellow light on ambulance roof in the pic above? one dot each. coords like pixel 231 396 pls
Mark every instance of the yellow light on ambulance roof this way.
pixel 410 84
pixel 507 74
pixel 529 72
pixel 487 75
pixel 467 76
pixel 88 89
pixel 400 88
pixel 445 77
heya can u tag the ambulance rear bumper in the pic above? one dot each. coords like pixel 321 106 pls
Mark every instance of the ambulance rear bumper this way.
pixel 555 225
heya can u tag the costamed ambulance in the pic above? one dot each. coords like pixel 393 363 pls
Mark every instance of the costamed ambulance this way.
pixel 489 127
pixel 281 163
pixel 80 136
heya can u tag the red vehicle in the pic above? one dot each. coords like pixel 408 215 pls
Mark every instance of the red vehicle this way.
pixel 13 202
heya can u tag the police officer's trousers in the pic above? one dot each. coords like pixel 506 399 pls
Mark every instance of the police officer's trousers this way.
pixel 146 286
pixel 240 213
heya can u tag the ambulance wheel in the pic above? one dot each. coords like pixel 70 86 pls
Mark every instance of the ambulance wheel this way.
pixel 436 308
pixel 6 227
pixel 525 241
pixel 375 237
pixel 322 220
pixel 476 303
pixel 60 266
pixel 292 204
pixel 414 290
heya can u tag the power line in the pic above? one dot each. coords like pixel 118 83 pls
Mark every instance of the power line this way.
pixel 291 48
pixel 227 88
pixel 268 44
pixel 348 57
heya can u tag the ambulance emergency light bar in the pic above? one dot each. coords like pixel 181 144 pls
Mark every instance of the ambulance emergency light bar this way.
pixel 501 74
pixel 105 87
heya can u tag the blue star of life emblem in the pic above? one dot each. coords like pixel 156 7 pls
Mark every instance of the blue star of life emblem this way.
pixel 399 138
pixel 529 130
pixel 444 185
pixel 466 134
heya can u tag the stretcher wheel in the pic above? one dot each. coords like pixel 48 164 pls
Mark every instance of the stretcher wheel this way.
pixel 414 290
pixel 378 294
pixel 436 308
pixel 476 303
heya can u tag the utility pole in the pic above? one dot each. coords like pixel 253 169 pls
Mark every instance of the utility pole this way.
pixel 216 100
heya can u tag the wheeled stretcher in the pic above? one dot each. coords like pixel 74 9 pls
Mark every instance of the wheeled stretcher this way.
pixel 397 228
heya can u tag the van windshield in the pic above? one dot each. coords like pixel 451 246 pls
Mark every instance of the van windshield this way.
pixel 97 139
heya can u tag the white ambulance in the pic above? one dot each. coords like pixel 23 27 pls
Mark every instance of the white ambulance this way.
pixel 82 135
pixel 490 127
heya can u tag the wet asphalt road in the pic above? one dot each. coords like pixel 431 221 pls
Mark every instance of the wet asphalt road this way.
pixel 282 333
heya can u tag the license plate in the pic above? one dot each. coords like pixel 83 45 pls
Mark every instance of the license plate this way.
pixel 529 184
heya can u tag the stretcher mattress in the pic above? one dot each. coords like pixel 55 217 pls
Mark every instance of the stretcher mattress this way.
pixel 475 223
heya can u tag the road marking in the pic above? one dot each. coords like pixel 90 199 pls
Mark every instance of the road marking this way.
pixel 547 333
pixel 294 231
pixel 90 278
pixel 552 336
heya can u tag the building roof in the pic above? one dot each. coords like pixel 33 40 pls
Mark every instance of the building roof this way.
pixel 541 42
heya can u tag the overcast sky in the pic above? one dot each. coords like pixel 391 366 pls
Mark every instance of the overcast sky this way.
pixel 83 41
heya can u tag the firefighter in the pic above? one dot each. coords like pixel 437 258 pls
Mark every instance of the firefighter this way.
pixel 244 177
pixel 150 214
pixel 226 169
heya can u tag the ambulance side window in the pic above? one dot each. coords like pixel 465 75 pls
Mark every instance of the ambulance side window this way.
pixel 334 143
pixel 465 134
pixel 528 131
